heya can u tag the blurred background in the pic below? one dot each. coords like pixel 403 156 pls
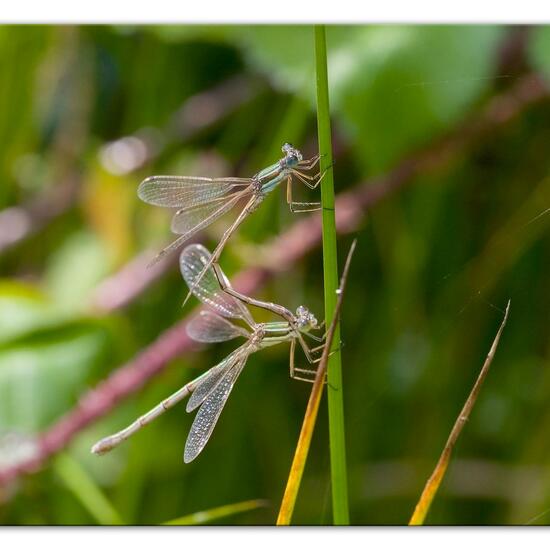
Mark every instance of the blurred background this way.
pixel 449 125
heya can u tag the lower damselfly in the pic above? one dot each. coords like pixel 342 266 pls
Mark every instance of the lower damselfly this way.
pixel 209 391
pixel 201 200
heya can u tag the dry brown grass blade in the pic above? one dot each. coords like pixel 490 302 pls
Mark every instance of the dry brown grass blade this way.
pixel 310 417
pixel 433 483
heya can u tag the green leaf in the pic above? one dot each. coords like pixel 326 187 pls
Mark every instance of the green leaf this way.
pixel 274 50
pixel 78 265
pixel 207 516
pixel 22 51
pixel 23 308
pixel 398 87
pixel 539 49
pixel 283 53
pixel 86 490
pixel 180 33
pixel 42 374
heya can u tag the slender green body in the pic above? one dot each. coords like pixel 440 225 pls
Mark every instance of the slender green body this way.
pixel 270 177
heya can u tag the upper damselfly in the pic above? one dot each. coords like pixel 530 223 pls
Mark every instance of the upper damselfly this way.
pixel 201 201
pixel 209 392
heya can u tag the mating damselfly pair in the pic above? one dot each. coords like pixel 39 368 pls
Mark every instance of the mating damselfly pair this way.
pixel 211 389
pixel 201 202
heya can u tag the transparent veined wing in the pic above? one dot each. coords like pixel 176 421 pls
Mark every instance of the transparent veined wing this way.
pixel 210 411
pixel 212 378
pixel 193 259
pixel 188 221
pixel 187 191
pixel 210 327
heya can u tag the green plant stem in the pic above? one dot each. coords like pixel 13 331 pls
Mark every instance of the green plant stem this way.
pixel 339 480
pixel 304 441
pixel 221 512
pixel 85 489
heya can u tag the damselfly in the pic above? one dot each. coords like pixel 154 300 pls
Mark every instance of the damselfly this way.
pixel 201 201
pixel 210 391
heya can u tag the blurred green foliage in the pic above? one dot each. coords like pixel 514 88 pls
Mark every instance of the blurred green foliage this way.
pixel 435 265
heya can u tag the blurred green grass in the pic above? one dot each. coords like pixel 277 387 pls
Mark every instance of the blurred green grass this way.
pixel 434 265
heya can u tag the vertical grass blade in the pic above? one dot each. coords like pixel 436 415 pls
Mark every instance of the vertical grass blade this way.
pixel 85 489
pixel 339 482
pixel 302 448
pixel 432 485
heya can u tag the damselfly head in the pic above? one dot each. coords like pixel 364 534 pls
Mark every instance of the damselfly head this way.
pixel 292 155
pixel 305 319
